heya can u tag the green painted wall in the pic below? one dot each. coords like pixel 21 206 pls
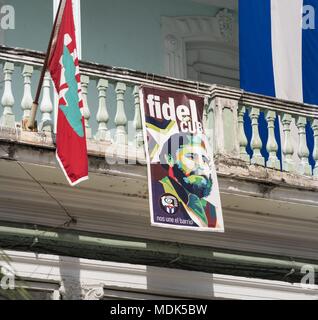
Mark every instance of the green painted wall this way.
pixel 122 33
pixel 126 33
pixel 33 24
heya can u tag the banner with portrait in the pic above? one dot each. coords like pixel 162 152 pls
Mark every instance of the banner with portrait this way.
pixel 182 181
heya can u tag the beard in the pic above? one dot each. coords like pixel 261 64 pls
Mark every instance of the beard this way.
pixel 200 185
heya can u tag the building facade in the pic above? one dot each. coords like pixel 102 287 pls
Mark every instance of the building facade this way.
pixel 94 241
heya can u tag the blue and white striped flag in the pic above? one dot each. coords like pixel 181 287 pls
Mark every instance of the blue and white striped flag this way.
pixel 279 54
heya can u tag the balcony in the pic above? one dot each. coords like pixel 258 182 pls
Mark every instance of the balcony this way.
pixel 267 211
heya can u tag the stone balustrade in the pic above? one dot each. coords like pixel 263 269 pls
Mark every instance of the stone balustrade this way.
pixel 233 118
pixel 284 139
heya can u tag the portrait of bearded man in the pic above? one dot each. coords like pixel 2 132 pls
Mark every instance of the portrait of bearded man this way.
pixel 188 181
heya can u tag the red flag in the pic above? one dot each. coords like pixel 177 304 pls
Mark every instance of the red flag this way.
pixel 71 150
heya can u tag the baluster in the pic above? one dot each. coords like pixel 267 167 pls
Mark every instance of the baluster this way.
pixel 256 142
pixel 242 137
pixel 46 106
pixel 27 100
pixel 137 119
pixel 7 101
pixel 120 118
pixel 314 126
pixel 288 148
pixel 102 117
pixel 86 112
pixel 303 152
pixel 272 145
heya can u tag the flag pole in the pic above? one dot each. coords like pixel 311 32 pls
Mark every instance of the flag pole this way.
pixel 31 120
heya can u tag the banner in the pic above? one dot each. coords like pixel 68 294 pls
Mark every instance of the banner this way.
pixel 71 150
pixel 182 181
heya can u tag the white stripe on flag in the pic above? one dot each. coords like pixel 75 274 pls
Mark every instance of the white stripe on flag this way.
pixel 286 23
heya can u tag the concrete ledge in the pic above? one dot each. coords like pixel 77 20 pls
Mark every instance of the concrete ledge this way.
pixel 39 148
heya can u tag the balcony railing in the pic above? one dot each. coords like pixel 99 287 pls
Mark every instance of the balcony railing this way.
pixel 111 103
